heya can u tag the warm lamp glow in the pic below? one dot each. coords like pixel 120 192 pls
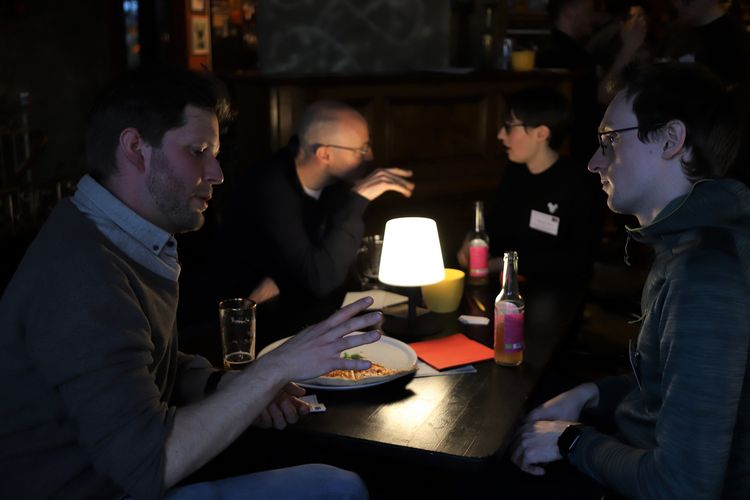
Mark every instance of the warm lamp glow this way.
pixel 411 253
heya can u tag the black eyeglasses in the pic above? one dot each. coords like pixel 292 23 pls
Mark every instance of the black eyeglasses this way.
pixel 507 126
pixel 610 135
pixel 364 150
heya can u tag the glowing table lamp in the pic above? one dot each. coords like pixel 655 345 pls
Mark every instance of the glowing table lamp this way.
pixel 411 257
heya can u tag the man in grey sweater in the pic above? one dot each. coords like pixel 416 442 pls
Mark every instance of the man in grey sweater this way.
pixel 683 415
pixel 97 401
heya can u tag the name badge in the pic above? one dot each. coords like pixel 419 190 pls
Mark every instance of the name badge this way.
pixel 544 222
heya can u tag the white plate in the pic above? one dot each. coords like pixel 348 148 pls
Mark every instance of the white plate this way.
pixel 387 351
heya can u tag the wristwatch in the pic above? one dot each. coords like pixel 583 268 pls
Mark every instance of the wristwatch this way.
pixel 567 441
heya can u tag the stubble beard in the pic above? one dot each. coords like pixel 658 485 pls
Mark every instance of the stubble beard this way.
pixel 171 196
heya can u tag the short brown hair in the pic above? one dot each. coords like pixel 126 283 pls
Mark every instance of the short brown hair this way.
pixel 152 103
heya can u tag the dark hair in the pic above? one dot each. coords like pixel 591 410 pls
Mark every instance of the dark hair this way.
pixel 554 7
pixel 695 96
pixel 152 103
pixel 536 106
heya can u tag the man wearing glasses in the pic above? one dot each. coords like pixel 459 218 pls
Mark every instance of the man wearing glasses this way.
pixel 682 417
pixel 295 223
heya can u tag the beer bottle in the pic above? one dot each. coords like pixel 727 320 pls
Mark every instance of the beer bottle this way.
pixel 479 248
pixel 489 42
pixel 509 313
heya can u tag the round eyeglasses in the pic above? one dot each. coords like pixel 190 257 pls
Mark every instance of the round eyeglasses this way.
pixel 507 126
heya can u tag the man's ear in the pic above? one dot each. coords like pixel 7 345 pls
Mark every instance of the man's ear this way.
pixel 323 154
pixel 131 145
pixel 673 139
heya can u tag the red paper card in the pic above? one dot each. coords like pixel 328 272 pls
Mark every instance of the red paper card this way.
pixel 454 350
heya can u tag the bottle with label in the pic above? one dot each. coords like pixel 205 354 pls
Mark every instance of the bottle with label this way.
pixel 489 40
pixel 479 248
pixel 509 314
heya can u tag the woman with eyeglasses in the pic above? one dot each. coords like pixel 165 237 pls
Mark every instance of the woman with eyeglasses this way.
pixel 543 207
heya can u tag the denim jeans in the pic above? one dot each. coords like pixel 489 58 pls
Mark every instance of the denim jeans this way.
pixel 311 481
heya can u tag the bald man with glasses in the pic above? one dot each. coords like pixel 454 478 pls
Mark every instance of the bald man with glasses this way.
pixel 294 224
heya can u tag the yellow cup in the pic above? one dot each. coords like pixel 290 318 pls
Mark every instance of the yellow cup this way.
pixel 522 60
pixel 445 296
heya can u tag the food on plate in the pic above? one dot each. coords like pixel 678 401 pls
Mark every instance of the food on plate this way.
pixel 376 370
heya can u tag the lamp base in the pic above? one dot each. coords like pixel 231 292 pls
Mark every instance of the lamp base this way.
pixel 397 323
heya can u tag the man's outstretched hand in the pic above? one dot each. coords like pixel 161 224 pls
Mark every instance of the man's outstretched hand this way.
pixel 385 179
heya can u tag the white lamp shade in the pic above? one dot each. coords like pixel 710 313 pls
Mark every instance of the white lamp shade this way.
pixel 411 253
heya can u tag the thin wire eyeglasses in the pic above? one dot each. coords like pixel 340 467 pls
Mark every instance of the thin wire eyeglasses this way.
pixel 610 135
pixel 364 150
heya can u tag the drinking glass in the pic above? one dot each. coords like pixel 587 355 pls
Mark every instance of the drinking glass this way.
pixel 368 261
pixel 237 321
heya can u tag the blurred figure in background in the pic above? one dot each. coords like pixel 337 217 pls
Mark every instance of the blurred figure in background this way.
pixel 294 224
pixel 572 24
pixel 619 42
pixel 544 207
pixel 708 33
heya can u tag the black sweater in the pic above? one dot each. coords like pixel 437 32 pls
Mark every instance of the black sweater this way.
pixel 273 228
pixel 562 191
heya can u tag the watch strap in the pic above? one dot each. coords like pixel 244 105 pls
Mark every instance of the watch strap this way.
pixel 569 438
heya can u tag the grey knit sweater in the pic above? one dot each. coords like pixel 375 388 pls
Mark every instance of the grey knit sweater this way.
pixel 90 368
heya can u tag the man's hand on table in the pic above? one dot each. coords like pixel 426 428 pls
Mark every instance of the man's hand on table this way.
pixel 285 409
pixel 382 180
pixel 536 444
pixel 536 440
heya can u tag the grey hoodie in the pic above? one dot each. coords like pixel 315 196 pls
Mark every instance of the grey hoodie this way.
pixel 683 416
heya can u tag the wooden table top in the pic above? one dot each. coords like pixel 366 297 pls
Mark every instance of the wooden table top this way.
pixel 455 421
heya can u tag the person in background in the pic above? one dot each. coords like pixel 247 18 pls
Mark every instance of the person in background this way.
pixel 294 223
pixel 707 32
pixel 566 49
pixel 617 44
pixel 682 417
pixel 544 206
pixel 98 402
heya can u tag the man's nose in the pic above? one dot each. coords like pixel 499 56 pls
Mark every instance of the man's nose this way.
pixel 214 174
pixel 598 161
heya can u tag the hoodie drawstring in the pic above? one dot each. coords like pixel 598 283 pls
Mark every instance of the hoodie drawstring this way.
pixel 626 257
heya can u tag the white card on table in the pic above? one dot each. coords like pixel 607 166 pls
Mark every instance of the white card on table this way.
pixel 381 298
pixel 312 400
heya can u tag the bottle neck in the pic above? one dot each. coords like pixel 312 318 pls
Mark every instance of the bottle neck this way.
pixel 488 19
pixel 478 217
pixel 510 275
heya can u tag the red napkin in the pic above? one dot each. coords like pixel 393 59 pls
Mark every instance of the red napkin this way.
pixel 454 350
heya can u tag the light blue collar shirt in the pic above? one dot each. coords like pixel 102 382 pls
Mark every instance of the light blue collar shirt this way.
pixel 142 241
